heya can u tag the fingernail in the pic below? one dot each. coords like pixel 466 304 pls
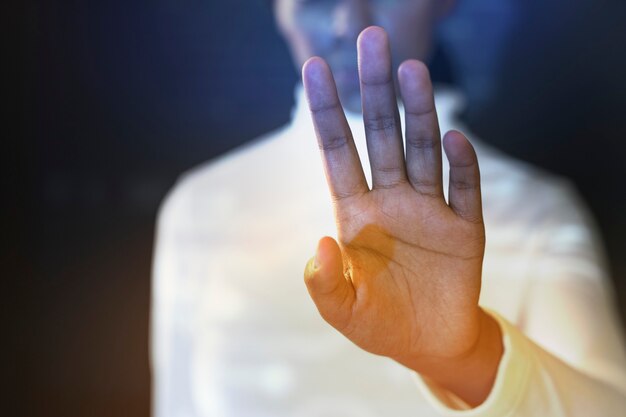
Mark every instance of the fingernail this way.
pixel 311 267
pixel 316 261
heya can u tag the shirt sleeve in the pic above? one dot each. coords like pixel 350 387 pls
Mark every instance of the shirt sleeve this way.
pixel 566 356
pixel 170 339
pixel 530 381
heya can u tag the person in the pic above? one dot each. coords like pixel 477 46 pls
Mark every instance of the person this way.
pixel 485 294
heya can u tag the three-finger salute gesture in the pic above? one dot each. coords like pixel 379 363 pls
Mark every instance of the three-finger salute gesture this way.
pixel 404 278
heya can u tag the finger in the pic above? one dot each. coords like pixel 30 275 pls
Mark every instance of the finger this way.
pixel 341 161
pixel 380 109
pixel 423 139
pixel 464 188
pixel 331 292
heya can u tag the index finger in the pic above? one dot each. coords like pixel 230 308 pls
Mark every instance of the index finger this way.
pixel 342 165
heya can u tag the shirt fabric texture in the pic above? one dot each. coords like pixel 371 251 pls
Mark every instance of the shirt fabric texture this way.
pixel 234 332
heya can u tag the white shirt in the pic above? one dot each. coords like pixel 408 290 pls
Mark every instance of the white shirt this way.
pixel 234 332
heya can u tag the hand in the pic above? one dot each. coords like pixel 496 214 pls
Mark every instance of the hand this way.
pixel 404 278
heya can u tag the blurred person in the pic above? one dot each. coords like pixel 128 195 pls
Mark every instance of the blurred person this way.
pixel 519 320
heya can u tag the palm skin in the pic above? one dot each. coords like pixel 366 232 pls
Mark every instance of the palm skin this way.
pixel 414 267
pixel 404 278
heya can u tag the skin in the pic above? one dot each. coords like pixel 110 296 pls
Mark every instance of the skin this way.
pixel 329 29
pixel 403 278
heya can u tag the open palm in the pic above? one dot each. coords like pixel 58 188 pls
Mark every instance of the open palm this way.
pixel 404 278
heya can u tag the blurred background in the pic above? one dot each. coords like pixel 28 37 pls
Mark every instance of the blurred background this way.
pixel 121 97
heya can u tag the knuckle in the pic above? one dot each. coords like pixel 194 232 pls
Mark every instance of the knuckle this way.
pixel 379 123
pixel 390 183
pixel 339 196
pixel 473 219
pixel 333 143
pixel 422 142
pixel 421 109
pixel 393 170
pixel 464 184
pixel 427 187
pixel 379 80
pixel 322 108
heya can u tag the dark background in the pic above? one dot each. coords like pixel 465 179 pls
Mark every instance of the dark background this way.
pixel 120 97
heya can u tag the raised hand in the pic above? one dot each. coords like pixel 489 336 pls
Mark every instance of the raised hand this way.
pixel 404 278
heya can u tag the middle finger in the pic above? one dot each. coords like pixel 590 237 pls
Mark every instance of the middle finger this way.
pixel 380 109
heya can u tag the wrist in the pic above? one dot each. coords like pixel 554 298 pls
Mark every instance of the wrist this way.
pixel 471 375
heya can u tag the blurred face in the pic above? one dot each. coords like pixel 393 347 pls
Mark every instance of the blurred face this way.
pixel 329 29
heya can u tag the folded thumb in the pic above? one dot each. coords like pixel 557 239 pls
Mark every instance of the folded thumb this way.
pixel 331 292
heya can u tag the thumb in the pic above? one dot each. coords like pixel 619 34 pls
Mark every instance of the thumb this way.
pixel 331 291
